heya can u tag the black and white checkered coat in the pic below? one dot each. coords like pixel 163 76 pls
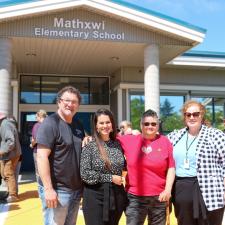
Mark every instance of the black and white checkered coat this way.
pixel 210 164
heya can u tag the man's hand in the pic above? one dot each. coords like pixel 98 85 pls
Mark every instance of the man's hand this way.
pixel 51 198
pixel 86 140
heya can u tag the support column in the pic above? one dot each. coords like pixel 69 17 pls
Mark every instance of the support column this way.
pixel 120 106
pixel 5 75
pixel 188 96
pixel 151 78
pixel 15 100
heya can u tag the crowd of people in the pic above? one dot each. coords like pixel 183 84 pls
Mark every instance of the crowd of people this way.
pixel 136 172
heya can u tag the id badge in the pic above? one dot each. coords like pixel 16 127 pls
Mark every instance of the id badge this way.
pixel 186 164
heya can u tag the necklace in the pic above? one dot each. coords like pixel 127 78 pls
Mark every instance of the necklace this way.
pixel 188 147
pixel 186 160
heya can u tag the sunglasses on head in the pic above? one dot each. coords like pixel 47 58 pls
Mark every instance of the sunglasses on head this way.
pixel 194 114
pixel 153 124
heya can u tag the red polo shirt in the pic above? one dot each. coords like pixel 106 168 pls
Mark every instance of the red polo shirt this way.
pixel 147 163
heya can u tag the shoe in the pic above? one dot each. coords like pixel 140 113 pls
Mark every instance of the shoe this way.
pixel 12 198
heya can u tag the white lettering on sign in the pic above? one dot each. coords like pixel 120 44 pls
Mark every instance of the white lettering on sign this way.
pixel 78 29
pixel 106 35
pixel 60 33
pixel 78 24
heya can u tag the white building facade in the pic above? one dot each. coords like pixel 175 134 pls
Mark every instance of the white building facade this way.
pixel 112 51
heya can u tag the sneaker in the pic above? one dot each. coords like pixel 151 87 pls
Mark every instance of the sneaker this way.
pixel 12 198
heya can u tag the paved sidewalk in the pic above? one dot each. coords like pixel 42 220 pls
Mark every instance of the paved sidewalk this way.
pixel 27 210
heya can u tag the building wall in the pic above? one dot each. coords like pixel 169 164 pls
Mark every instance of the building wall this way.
pixel 193 77
pixel 174 76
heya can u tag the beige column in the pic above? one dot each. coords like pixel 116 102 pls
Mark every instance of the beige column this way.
pixel 151 78
pixel 120 106
pixel 15 100
pixel 5 75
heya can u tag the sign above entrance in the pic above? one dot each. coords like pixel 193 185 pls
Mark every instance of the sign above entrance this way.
pixel 78 29
pixel 82 24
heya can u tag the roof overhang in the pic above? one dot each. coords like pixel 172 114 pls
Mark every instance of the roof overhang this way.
pixel 127 11
pixel 181 37
pixel 200 59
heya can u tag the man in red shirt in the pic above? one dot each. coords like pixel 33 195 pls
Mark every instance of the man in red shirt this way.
pixel 151 172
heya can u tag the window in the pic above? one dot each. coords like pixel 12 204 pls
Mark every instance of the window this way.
pixel 44 89
pixel 30 90
pixel 170 114
pixel 99 91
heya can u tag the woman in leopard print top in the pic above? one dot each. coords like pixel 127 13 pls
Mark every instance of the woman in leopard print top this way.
pixel 102 163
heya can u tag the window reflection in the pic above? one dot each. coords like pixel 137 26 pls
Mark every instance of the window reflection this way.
pixel 99 91
pixel 30 87
pixel 170 114
pixel 215 110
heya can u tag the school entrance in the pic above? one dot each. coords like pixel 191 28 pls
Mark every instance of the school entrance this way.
pixel 39 92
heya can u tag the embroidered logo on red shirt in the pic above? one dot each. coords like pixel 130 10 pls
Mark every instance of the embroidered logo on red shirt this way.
pixel 146 149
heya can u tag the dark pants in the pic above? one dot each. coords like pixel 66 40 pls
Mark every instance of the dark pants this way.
pixel 139 207
pixel 103 204
pixel 184 207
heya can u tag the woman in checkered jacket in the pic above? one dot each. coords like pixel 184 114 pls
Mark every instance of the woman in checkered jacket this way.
pixel 199 153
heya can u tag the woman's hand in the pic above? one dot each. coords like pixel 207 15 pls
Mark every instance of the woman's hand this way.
pixel 119 180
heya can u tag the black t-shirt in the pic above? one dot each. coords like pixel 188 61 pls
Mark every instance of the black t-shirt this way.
pixel 65 146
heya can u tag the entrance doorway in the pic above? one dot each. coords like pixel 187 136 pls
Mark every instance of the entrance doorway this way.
pixel 28 120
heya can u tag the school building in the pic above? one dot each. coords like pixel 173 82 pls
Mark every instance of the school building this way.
pixel 114 52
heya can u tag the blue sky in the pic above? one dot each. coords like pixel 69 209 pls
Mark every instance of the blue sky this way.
pixel 207 14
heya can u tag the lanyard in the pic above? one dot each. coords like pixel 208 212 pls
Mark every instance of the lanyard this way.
pixel 188 147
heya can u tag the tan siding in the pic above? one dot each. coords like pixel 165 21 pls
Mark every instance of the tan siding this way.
pixel 132 33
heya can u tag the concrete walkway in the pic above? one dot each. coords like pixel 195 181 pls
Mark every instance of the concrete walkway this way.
pixel 27 210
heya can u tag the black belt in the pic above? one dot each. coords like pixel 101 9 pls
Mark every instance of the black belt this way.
pixel 198 202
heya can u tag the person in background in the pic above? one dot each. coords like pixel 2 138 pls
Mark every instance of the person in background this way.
pixel 12 119
pixel 102 163
pixel 10 152
pixel 126 128
pixel 58 160
pixel 199 153
pixel 150 172
pixel 40 116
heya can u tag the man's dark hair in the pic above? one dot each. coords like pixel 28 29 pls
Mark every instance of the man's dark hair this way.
pixel 148 113
pixel 69 89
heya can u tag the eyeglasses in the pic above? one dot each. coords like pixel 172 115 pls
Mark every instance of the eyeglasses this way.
pixel 194 114
pixel 153 124
pixel 122 127
pixel 68 101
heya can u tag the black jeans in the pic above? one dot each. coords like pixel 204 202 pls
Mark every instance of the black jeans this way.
pixel 139 207
pixel 102 208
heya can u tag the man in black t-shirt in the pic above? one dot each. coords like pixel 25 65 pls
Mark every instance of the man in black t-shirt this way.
pixel 58 158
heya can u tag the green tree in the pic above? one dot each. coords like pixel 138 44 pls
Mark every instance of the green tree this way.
pixel 137 108
pixel 170 120
pixel 166 109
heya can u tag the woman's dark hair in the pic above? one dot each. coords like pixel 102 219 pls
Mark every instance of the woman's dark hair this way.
pixel 97 137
